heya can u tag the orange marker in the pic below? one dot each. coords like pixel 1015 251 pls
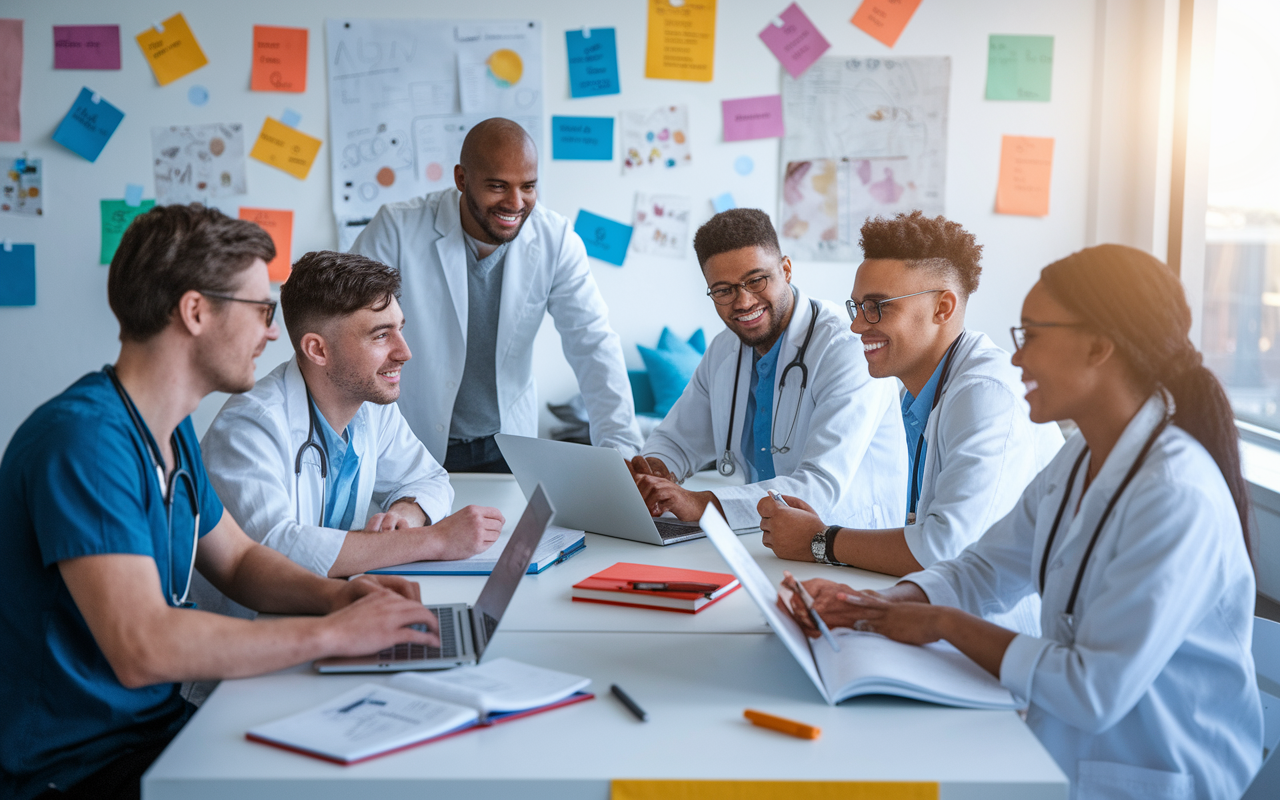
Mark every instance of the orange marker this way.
pixel 789 727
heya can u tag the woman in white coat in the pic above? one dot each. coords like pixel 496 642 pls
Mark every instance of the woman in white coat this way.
pixel 1142 683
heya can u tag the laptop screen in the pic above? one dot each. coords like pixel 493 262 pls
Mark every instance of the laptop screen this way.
pixel 511 565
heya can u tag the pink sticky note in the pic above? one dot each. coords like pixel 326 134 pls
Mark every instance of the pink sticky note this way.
pixel 797 44
pixel 10 79
pixel 752 118
pixel 86 47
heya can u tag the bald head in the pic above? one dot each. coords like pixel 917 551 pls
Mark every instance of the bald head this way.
pixel 496 138
pixel 497 174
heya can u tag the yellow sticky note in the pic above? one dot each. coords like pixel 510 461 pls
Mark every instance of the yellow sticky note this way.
pixel 1026 163
pixel 173 53
pixel 682 40
pixel 285 148
pixel 768 790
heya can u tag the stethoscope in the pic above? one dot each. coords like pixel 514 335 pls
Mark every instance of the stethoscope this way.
pixel 916 477
pixel 319 447
pixel 166 487
pixel 1069 614
pixel 726 464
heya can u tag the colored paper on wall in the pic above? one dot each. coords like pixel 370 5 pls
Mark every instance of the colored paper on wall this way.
pixel 285 148
pixel 21 188
pixel 86 47
pixel 498 78
pixel 10 80
pixel 1019 68
pixel 661 225
pixel 752 118
pixel 582 138
pixel 657 139
pixel 194 163
pixel 173 52
pixel 678 789
pixel 279 224
pixel 17 275
pixel 682 40
pixel 279 59
pixel 605 239
pixel 797 42
pixel 593 62
pixel 88 125
pixel 116 216
pixel 1026 163
pixel 723 202
pixel 884 20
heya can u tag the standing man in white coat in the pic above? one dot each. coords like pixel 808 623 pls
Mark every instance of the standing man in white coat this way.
pixel 481 267
pixel 782 399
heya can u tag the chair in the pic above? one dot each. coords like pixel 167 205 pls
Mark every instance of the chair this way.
pixel 1266 660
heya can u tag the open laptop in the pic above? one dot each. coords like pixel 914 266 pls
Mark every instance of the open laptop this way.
pixel 465 631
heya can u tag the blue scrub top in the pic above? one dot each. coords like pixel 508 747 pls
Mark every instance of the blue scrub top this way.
pixel 915 416
pixel 757 426
pixel 343 480
pixel 76 480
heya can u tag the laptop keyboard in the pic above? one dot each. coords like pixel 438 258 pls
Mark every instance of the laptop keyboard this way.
pixel 419 652
pixel 674 530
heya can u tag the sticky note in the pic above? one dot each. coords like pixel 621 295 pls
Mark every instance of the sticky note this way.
pixel 743 165
pixel 723 202
pixel 17 275
pixel 752 118
pixel 884 20
pixel 116 216
pixel 290 118
pixel 132 194
pixel 593 62
pixel 285 148
pixel 173 52
pixel 88 125
pixel 1019 67
pixel 86 47
pixel 10 79
pixel 1025 166
pixel 605 239
pixel 797 42
pixel 279 59
pixel 682 40
pixel 197 95
pixel 582 138
pixel 279 224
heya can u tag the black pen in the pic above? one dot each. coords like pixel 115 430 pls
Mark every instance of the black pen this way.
pixel 629 703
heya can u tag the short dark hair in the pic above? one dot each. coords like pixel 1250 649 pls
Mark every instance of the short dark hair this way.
pixel 733 230
pixel 931 242
pixel 325 284
pixel 172 250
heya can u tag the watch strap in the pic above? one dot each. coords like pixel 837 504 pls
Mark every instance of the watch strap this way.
pixel 831 546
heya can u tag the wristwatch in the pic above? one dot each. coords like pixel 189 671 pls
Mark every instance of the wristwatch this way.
pixel 823 546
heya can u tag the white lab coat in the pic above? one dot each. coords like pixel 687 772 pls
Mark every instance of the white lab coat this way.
pixel 846 457
pixel 545 270
pixel 1152 693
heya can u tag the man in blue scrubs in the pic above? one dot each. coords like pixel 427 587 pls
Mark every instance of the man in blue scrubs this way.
pixel 103 495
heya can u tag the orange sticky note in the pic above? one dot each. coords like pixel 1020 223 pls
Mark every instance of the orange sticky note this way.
pixel 173 52
pixel 682 40
pixel 285 148
pixel 1025 165
pixel 279 59
pixel 884 20
pixel 279 224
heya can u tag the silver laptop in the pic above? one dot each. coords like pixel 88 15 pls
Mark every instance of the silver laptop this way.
pixel 465 631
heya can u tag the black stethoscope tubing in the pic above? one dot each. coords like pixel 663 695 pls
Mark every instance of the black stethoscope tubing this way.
pixel 916 480
pixel 319 447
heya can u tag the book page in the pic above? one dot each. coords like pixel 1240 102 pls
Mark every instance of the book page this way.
pixel 498 685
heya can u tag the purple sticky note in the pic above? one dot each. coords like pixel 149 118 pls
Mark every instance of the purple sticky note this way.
pixel 797 44
pixel 752 118
pixel 86 47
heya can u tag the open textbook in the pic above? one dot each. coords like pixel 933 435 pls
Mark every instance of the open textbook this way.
pixel 867 663
pixel 414 708
pixel 558 544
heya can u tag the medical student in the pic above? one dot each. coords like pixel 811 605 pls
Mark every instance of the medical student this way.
pixel 972 447
pixel 482 265
pixel 316 460
pixel 1136 537
pixel 103 495
pixel 782 399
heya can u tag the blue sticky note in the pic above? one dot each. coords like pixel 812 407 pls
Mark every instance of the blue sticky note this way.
pixel 582 138
pixel 723 203
pixel 133 194
pixel 291 118
pixel 743 165
pixel 18 275
pixel 197 95
pixel 605 239
pixel 593 62
pixel 88 125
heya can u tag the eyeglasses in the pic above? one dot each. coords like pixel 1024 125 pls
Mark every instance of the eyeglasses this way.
pixel 724 295
pixel 1020 333
pixel 871 309
pixel 270 304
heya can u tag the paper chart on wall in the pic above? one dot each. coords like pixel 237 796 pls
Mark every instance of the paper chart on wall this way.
pixel 404 93
pixel 198 162
pixel 864 136
pixel 656 139
pixel 661 225
pixel 21 187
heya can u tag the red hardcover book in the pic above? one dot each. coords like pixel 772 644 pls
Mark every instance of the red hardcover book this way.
pixel 615 586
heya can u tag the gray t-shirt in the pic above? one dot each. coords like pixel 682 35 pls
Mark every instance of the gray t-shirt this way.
pixel 475 409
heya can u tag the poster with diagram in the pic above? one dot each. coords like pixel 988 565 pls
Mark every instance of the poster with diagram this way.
pixel 21 187
pixel 404 93
pixel 865 137
pixel 655 139
pixel 661 225
pixel 197 163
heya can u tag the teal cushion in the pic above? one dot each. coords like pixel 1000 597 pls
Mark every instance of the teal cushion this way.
pixel 670 342
pixel 669 372
pixel 698 341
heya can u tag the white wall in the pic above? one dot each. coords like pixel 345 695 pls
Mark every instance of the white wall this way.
pixel 71 330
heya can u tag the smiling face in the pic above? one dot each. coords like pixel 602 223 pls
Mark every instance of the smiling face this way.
pixel 366 351
pixel 239 333
pixel 499 192
pixel 1057 363
pixel 757 319
pixel 913 332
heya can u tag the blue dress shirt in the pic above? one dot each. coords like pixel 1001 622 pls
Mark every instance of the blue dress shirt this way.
pixel 342 482
pixel 757 427
pixel 915 416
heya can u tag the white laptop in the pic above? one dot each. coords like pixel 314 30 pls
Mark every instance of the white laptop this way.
pixel 465 630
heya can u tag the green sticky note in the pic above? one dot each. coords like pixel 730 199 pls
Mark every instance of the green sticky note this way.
pixel 1019 68
pixel 116 216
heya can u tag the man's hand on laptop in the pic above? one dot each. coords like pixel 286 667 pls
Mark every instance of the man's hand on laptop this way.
pixel 641 466
pixel 464 533
pixel 662 495
pixel 378 619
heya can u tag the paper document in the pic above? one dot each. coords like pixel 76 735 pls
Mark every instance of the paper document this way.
pixel 555 541
pixel 195 163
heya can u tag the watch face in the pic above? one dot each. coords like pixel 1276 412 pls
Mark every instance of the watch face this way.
pixel 819 547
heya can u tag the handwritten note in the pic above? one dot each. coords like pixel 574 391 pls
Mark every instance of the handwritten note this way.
pixel 10 79
pixel 116 216
pixel 605 239
pixel 593 62
pixel 752 118
pixel 884 20
pixel 88 125
pixel 797 42
pixel 17 274
pixel 582 138
pixel 279 59
pixel 86 47
pixel 279 224
pixel 173 52
pixel 1019 68
pixel 682 40
pixel 1025 166
pixel 285 148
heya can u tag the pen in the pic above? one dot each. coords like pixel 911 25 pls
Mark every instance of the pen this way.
pixel 675 586
pixel 813 615
pixel 777 498
pixel 781 725
pixel 640 713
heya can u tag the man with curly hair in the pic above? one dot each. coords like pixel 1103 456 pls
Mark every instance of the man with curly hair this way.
pixel 971 445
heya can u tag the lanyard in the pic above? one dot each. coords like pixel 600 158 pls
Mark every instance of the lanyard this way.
pixel 916 480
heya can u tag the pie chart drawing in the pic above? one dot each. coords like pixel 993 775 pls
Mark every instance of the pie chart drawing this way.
pixel 505 67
